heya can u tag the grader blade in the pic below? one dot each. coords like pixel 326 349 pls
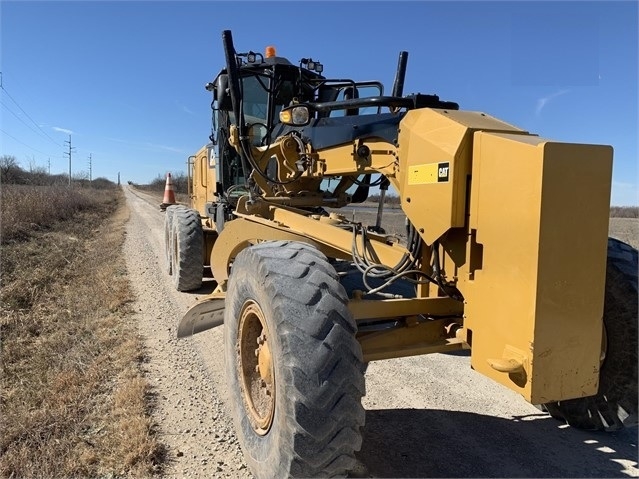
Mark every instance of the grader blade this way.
pixel 205 314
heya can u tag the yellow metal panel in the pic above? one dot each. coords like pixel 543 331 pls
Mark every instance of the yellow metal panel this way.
pixel 420 338
pixel 334 237
pixel 203 179
pixel 237 235
pixel 540 210
pixel 572 267
pixel 428 173
pixel 342 160
pixel 435 161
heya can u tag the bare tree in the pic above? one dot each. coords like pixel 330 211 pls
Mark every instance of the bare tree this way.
pixel 10 171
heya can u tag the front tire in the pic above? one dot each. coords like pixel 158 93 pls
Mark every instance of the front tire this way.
pixel 615 404
pixel 293 365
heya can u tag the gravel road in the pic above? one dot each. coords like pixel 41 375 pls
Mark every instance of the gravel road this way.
pixel 428 416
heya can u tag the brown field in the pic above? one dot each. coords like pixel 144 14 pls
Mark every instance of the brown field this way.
pixel 74 402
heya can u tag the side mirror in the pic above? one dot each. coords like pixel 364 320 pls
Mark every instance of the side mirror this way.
pixel 222 93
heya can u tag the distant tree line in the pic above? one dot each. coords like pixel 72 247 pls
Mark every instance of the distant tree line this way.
pixel 12 174
pixel 624 211
pixel 615 211
pixel 389 199
pixel 180 185
pixel 179 181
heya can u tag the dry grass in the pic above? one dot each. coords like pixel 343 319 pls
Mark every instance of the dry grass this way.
pixel 74 402
pixel 27 208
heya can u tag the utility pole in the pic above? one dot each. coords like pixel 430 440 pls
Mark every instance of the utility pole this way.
pixel 49 166
pixel 69 153
pixel 118 178
pixel 90 177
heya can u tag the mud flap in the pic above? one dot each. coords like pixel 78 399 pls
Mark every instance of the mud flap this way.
pixel 205 314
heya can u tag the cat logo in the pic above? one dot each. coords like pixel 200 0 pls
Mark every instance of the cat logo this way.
pixel 442 172
pixel 429 173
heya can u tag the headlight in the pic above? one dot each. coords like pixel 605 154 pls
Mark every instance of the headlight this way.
pixel 298 115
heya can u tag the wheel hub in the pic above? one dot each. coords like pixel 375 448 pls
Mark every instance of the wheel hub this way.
pixel 256 368
pixel 264 362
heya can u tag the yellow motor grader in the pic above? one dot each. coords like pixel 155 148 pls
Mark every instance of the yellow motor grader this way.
pixel 506 254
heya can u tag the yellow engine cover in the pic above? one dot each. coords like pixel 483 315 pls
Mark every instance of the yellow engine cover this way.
pixel 539 213
pixel 524 221
pixel 435 158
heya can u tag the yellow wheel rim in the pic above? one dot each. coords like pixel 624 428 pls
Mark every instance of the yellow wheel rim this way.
pixel 255 367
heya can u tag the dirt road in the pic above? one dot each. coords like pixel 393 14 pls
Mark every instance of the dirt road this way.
pixel 429 416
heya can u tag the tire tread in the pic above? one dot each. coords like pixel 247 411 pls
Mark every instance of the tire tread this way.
pixel 187 267
pixel 323 366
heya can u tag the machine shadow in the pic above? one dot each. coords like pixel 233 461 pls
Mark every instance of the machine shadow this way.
pixel 208 285
pixel 435 443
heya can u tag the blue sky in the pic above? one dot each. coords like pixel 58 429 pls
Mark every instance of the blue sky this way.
pixel 126 79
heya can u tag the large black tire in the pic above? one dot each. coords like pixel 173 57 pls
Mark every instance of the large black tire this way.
pixel 615 405
pixel 187 244
pixel 296 400
pixel 168 236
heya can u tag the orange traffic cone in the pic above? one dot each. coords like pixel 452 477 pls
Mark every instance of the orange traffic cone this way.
pixel 169 194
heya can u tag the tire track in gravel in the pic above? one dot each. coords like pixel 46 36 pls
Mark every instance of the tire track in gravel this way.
pixel 186 375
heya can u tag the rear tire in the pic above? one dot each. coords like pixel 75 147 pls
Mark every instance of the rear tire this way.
pixel 186 249
pixel 615 405
pixel 296 400
pixel 168 236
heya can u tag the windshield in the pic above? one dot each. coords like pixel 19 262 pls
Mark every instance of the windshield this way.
pixel 255 97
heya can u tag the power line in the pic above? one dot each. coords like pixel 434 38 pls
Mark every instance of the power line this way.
pixel 21 120
pixel 26 114
pixel 21 142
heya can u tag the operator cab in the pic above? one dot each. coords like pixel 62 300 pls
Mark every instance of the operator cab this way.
pixel 269 84
pixel 266 91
